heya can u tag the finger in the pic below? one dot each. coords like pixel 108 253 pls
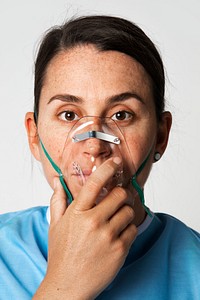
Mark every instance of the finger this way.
pixel 123 218
pixel 126 239
pixel 128 236
pixel 117 198
pixel 97 180
pixel 58 204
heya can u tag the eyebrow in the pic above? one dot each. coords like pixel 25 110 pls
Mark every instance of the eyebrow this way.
pixel 124 96
pixel 115 98
pixel 66 98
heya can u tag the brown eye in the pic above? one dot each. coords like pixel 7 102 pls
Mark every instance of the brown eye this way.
pixel 68 116
pixel 122 116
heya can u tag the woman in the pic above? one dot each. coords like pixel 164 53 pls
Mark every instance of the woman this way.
pixel 98 126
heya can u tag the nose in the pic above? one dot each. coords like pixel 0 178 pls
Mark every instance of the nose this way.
pixel 93 146
pixel 89 135
pixel 96 148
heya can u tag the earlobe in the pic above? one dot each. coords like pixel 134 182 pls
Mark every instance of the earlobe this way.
pixel 32 134
pixel 163 132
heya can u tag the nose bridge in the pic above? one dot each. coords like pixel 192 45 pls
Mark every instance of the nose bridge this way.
pixel 96 147
pixel 93 145
pixel 92 136
pixel 95 124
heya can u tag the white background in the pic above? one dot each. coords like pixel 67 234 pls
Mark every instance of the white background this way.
pixel 174 26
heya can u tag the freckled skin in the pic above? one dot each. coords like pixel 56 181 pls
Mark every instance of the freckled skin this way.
pixel 95 76
pixel 88 241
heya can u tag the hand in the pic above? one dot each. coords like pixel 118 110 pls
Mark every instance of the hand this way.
pixel 88 243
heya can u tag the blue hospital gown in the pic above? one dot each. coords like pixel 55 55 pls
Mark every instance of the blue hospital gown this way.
pixel 163 262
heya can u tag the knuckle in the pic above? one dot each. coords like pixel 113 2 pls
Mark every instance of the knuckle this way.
pixel 120 193
pixel 131 233
pixel 93 223
pixel 54 201
pixel 123 243
pixel 110 167
pixel 107 236
pixel 129 211
pixel 133 230
pixel 121 247
pixel 94 184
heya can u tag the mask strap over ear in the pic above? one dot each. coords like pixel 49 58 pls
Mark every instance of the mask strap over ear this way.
pixel 138 188
pixel 58 170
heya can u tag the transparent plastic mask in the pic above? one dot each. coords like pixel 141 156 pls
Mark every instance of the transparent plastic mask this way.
pixel 89 143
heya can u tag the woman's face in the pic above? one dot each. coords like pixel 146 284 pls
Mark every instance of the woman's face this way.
pixel 86 82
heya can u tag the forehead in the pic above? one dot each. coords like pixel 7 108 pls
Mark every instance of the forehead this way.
pixel 85 67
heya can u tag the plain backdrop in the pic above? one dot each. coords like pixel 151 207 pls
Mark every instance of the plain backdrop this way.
pixel 174 26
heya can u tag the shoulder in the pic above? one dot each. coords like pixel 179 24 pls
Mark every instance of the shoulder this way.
pixel 33 214
pixel 24 225
pixel 180 246
pixel 23 251
pixel 171 237
pixel 174 227
pixel 180 242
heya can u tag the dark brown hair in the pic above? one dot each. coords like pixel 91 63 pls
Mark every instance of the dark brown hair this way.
pixel 106 33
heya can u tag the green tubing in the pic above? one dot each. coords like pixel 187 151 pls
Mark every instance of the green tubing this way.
pixel 58 170
pixel 69 195
pixel 141 194
pixel 138 188
pixel 133 180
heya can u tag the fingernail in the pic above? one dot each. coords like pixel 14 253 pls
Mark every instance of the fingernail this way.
pixel 117 160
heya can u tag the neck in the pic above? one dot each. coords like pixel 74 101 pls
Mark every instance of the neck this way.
pixel 140 213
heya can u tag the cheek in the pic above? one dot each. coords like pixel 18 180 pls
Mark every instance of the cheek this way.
pixel 139 148
pixel 141 142
pixel 48 169
pixel 54 144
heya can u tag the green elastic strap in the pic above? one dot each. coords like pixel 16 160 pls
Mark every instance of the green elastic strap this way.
pixel 138 188
pixel 58 170
pixel 133 180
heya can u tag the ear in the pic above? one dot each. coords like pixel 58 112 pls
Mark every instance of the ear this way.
pixel 164 127
pixel 32 134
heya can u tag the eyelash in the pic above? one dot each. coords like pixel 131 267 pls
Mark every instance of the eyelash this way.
pixel 126 116
pixel 65 113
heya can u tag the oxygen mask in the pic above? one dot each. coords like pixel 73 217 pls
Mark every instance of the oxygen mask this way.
pixel 90 142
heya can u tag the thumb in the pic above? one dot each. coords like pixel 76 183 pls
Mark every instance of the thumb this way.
pixel 58 203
